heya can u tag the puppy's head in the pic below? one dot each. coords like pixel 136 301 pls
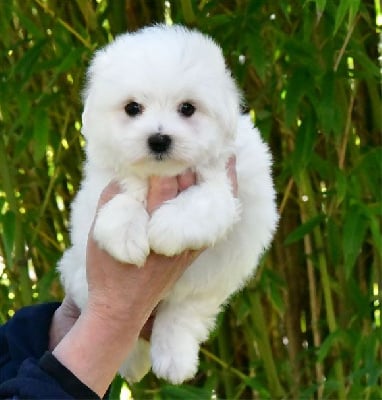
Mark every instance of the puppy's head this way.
pixel 159 101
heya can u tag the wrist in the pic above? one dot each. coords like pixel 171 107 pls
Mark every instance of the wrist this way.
pixel 95 348
pixel 63 319
pixel 116 316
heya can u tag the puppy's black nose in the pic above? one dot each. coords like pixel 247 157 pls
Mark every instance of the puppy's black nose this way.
pixel 159 143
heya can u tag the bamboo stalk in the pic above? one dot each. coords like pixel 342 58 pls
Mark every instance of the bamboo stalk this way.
pixel 225 352
pixel 264 346
pixel 346 136
pixel 313 302
pixel 188 11
pixel 17 263
pixel 286 196
pixel 223 364
pixel 311 208
pixel 345 43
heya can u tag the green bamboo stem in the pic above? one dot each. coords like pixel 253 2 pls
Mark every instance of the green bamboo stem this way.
pixel 308 245
pixel 188 11
pixel 264 347
pixel 225 352
pixel 6 178
pixel 223 364
pixel 306 189
pixel 17 261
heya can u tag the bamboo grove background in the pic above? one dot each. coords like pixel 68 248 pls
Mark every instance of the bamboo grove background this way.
pixel 309 324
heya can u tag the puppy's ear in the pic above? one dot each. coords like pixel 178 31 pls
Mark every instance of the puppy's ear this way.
pixel 230 105
pixel 87 98
pixel 99 63
pixel 85 120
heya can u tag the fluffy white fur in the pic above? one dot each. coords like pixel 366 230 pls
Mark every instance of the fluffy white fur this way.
pixel 160 68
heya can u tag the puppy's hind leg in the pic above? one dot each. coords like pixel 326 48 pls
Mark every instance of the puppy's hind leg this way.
pixel 177 333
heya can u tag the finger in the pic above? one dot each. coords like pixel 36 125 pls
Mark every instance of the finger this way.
pixel 160 190
pixel 186 179
pixel 108 193
pixel 70 308
pixel 232 175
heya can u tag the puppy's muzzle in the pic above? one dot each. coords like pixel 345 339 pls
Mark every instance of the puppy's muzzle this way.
pixel 159 144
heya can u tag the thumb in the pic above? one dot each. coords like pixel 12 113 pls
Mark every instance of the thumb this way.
pixel 160 190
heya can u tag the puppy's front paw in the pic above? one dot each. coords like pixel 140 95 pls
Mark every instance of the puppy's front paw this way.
pixel 197 218
pixel 161 234
pixel 121 229
pixel 174 357
pixel 170 234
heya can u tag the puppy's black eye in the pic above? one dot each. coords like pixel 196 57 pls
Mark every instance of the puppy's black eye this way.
pixel 186 109
pixel 133 109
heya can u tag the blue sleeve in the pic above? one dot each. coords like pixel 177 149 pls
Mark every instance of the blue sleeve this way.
pixel 23 336
pixel 26 369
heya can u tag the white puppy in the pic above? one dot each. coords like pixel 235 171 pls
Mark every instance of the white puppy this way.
pixel 158 102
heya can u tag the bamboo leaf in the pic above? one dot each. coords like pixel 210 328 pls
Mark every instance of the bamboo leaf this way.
pixel 342 10
pixel 8 229
pixel 333 241
pixel 331 340
pixel 28 63
pixel 31 26
pixel 295 90
pixel 188 11
pixel 353 10
pixel 326 106
pixel 320 4
pixel 40 134
pixel 88 13
pixel 341 185
pixel 303 230
pixel 171 392
pixel 355 226
pixel 256 50
pixel 304 146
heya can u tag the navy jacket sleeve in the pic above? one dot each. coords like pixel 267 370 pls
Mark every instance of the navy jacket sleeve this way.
pixel 27 371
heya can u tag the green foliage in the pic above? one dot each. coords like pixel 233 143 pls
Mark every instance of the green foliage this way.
pixel 309 324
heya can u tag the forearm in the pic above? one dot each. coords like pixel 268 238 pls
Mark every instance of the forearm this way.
pixel 94 348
